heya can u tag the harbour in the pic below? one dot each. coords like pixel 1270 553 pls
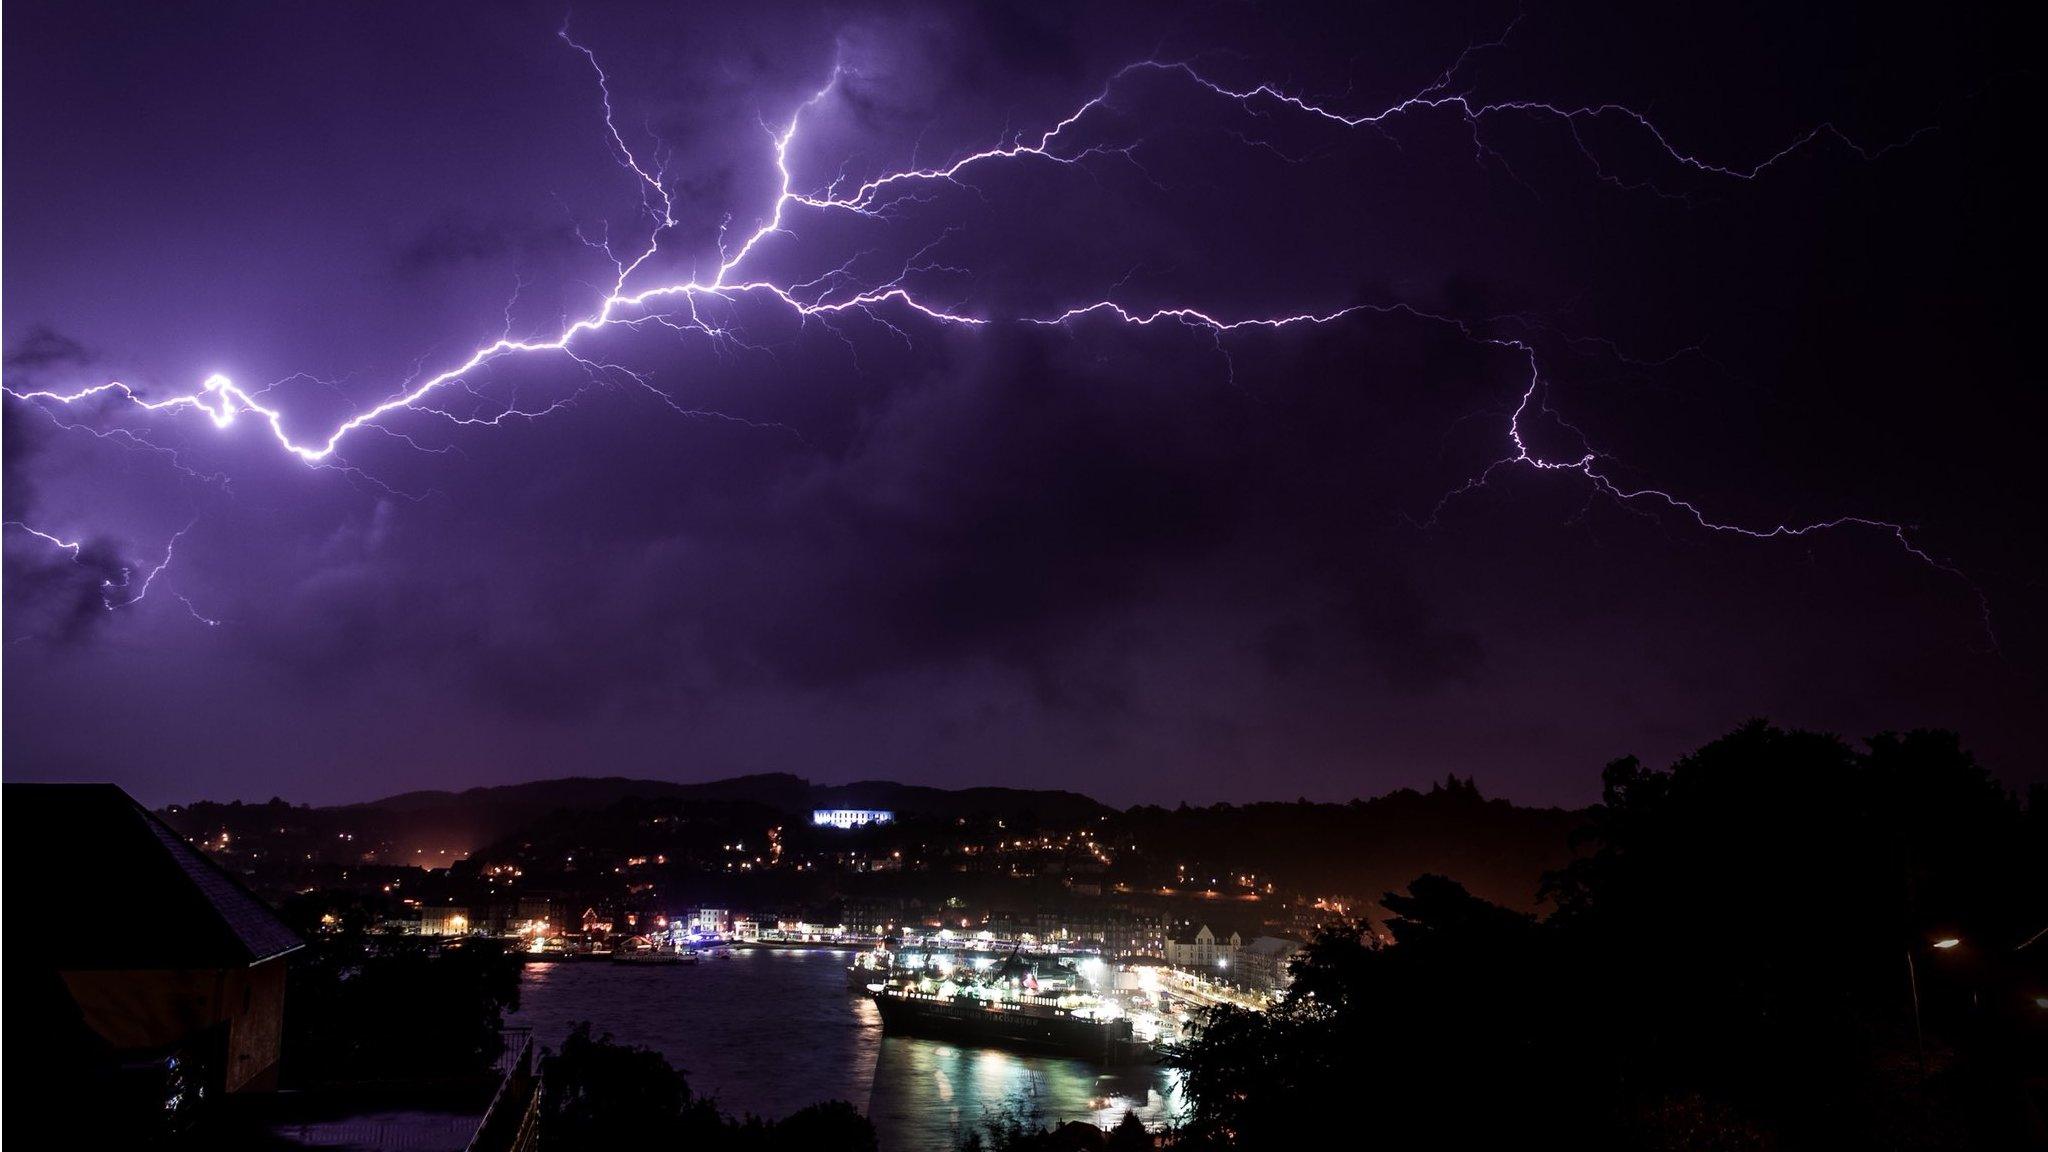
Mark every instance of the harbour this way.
pixel 772 1030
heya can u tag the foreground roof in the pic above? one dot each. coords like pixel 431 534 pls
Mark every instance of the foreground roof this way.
pixel 107 885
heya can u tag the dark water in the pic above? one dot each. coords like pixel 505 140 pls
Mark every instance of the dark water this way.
pixel 768 1032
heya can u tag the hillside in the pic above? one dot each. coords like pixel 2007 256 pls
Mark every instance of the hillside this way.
pixel 439 827
pixel 1351 852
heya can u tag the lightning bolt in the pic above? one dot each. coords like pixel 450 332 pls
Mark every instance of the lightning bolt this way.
pixel 62 545
pixel 839 293
pixel 121 593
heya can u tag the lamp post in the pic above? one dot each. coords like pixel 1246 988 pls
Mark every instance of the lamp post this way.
pixel 1913 987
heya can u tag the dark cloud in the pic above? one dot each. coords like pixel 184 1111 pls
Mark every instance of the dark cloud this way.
pixel 1149 563
pixel 458 239
pixel 27 364
pixel 58 597
pixel 45 347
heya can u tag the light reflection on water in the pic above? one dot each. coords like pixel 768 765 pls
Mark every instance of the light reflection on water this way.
pixel 768 1032
pixel 928 1093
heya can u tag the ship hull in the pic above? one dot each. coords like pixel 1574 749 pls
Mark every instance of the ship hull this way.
pixel 969 1022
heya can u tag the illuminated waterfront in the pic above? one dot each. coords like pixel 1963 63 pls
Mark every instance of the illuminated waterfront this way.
pixel 768 1032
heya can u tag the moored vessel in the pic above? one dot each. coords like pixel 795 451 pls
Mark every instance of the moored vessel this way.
pixel 641 950
pixel 1023 1024
pixel 1033 1005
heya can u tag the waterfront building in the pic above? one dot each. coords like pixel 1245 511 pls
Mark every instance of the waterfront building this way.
pixel 1115 928
pixel 444 920
pixel 1263 963
pixel 802 931
pixel 1204 951
pixel 883 915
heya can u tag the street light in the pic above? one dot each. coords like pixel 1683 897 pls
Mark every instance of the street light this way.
pixel 1913 985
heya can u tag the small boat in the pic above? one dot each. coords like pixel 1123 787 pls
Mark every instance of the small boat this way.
pixel 640 950
pixel 647 956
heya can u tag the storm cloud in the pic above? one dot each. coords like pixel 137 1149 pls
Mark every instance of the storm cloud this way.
pixel 1151 562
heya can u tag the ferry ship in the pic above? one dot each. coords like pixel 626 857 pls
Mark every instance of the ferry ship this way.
pixel 1010 1006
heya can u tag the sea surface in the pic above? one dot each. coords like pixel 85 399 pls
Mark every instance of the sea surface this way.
pixel 769 1031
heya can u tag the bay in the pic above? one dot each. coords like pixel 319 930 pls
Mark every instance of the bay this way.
pixel 767 1032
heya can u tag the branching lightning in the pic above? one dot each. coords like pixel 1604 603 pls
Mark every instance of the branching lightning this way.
pixel 124 591
pixel 839 293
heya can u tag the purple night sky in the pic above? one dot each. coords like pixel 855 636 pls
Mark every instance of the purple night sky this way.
pixel 795 521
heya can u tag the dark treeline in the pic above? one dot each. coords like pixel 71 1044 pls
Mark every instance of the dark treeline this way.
pixel 600 1096
pixel 1732 963
pixel 390 1009
pixel 1493 847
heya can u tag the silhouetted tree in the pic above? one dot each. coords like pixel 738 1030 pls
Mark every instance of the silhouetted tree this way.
pixel 601 1096
pixel 1020 1127
pixel 834 1126
pixel 1726 968
pixel 1129 1135
pixel 1461 1003
pixel 395 1011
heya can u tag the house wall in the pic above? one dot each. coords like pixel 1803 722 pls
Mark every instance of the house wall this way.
pixel 140 1010
pixel 1204 950
pixel 256 1033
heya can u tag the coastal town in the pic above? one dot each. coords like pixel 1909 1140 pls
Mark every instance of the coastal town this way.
pixel 964 963
pixel 576 862
pixel 917 894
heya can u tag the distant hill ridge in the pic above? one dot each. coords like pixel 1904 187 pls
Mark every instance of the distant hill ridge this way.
pixel 436 825
pixel 1499 850
pixel 780 790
